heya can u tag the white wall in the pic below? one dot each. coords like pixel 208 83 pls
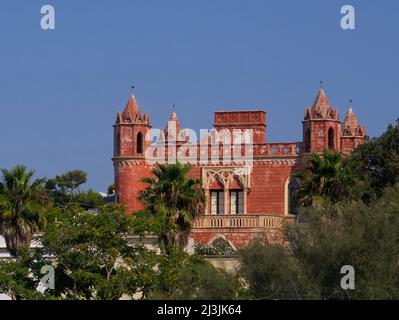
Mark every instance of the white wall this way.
pixel 3 254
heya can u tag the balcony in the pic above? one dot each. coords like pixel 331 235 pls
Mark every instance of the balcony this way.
pixel 260 221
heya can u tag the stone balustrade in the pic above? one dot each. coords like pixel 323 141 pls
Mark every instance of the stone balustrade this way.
pixel 240 221
pixel 230 153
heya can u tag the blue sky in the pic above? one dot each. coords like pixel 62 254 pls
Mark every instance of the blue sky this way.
pixel 60 89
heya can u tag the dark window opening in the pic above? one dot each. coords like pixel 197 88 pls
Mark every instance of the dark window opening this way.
pixel 236 202
pixel 217 202
pixel 293 188
pixel 117 145
pixel 331 143
pixel 139 142
pixel 307 140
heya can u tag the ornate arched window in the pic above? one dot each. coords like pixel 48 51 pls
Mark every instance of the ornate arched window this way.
pixel 139 143
pixel 331 144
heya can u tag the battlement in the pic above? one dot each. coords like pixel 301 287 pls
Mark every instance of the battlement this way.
pixel 254 120
pixel 240 118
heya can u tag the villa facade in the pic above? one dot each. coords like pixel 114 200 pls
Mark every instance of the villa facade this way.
pixel 247 197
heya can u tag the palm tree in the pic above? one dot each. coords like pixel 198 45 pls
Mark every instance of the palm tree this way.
pixel 175 200
pixel 20 208
pixel 323 178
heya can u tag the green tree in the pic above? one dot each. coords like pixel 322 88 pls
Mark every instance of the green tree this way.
pixel 97 256
pixel 184 277
pixel 21 207
pixel 20 278
pixel 89 199
pixel 356 234
pixel 172 201
pixel 65 191
pixel 335 235
pixel 377 162
pixel 273 273
pixel 63 188
pixel 93 258
pixel 328 177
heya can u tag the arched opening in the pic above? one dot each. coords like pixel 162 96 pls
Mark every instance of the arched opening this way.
pixel 222 245
pixel 117 142
pixel 139 143
pixel 307 140
pixel 293 187
pixel 331 144
pixel 291 202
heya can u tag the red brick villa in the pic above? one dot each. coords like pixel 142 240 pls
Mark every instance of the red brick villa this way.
pixel 242 203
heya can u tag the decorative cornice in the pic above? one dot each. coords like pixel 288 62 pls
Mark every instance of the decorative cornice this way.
pixel 127 124
pixel 276 162
pixel 321 120
pixel 123 162
pixel 258 162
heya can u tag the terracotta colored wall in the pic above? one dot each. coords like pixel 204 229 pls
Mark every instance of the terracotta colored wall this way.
pixel 319 134
pixel 348 144
pixel 238 238
pixel 127 183
pixel 267 194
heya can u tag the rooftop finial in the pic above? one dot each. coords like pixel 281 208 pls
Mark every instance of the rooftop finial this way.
pixel 173 116
pixel 132 87
pixel 350 102
pixel 321 84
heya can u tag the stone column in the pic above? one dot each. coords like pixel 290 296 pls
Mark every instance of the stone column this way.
pixel 226 200
pixel 207 202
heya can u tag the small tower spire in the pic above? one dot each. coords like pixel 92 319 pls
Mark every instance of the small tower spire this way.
pixel 321 103
pixel 173 118
pixel 173 115
pixel 352 133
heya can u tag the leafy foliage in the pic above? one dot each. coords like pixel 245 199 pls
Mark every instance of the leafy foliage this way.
pixel 172 201
pixel 22 207
pixel 20 278
pixel 93 258
pixel 361 235
pixel 191 278
pixel 217 248
pixel 89 199
pixel 352 214
pixel 271 273
pixel 355 234
pixel 65 191
pixel 377 162
pixel 95 255
pixel 328 177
